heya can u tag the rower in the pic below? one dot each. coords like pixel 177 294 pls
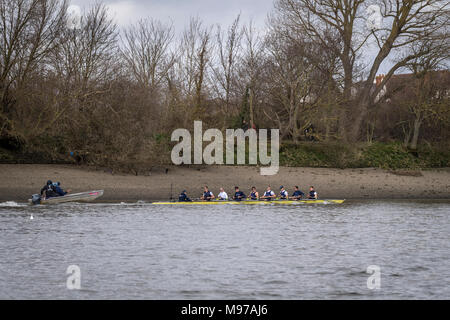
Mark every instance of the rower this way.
pixel 312 193
pixel 222 195
pixel 207 195
pixel 183 197
pixel 238 195
pixel 298 194
pixel 269 194
pixel 283 194
pixel 254 195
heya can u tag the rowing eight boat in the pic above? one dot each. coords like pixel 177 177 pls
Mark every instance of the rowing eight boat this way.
pixel 289 202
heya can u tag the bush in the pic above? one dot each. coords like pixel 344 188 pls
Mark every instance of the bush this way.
pixel 388 156
pixel 315 154
pixel 382 155
pixel 437 157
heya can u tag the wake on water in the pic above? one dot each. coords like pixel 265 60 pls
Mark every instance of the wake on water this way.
pixel 12 204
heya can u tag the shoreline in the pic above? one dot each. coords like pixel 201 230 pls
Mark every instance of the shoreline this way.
pixel 19 181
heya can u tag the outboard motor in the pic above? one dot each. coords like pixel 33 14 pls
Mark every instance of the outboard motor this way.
pixel 36 198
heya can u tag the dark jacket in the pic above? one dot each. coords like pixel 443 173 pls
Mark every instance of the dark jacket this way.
pixel 59 191
pixel 298 193
pixel 183 197
pixel 239 195
pixel 49 191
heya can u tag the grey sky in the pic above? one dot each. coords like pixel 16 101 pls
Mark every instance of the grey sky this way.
pixel 179 11
pixel 211 12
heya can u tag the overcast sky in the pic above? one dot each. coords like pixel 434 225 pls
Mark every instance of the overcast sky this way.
pixel 210 11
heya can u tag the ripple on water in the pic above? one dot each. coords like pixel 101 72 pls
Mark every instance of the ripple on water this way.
pixel 137 250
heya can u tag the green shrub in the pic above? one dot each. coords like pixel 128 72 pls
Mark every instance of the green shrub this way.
pixel 388 156
pixel 382 155
pixel 315 154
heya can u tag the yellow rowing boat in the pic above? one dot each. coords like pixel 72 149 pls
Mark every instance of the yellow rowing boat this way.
pixel 283 202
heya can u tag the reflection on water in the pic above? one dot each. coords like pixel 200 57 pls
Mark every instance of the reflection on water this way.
pixel 144 251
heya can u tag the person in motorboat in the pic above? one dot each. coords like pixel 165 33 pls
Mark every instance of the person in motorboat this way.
pixel 183 197
pixel 48 191
pixel 44 188
pixel 312 193
pixel 238 195
pixel 268 195
pixel 57 188
pixel 298 194
pixel 207 195
pixel 222 195
pixel 283 194
pixel 254 195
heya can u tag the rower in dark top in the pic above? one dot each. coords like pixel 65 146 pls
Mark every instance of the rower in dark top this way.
pixel 207 195
pixel 254 195
pixel 238 195
pixel 268 195
pixel 183 197
pixel 283 194
pixel 298 194
pixel 312 193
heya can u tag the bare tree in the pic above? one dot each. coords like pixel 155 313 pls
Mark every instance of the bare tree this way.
pixel 425 96
pixel 251 64
pixel 29 31
pixel 88 54
pixel 290 78
pixel 85 67
pixel 146 51
pixel 300 74
pixel 225 69
pixel 195 56
pixel 403 23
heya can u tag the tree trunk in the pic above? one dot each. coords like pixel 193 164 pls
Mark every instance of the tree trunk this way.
pixel 361 112
pixel 343 123
pixel 407 136
pixel 356 126
pixel 295 129
pixel 327 129
pixel 252 119
pixel 415 137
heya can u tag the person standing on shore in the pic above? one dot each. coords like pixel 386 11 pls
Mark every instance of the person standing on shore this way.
pixel 207 195
pixel 312 193
pixel 222 195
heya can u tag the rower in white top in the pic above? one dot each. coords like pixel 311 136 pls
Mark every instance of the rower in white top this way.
pixel 268 195
pixel 222 195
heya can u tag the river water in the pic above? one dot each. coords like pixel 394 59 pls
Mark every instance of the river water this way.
pixel 144 251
